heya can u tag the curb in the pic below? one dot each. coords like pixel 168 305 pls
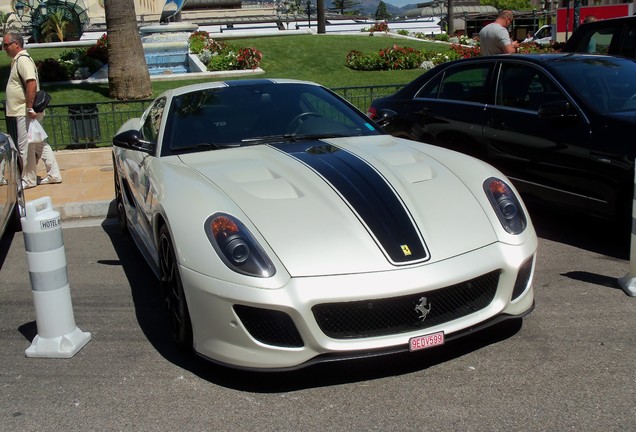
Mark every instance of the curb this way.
pixel 90 209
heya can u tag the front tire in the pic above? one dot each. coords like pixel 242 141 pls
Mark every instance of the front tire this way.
pixel 15 224
pixel 172 292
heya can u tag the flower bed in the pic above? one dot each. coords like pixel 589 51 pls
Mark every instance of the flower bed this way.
pixel 394 58
pixel 81 63
pixel 399 58
pixel 74 64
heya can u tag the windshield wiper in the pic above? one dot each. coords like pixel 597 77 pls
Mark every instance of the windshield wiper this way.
pixel 290 138
pixel 269 139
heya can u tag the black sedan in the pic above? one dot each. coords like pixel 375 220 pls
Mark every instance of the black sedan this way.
pixel 559 125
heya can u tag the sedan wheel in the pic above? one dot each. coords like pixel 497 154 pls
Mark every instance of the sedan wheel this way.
pixel 172 291
pixel 19 208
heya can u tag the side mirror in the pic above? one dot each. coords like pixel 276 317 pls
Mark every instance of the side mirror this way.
pixel 385 116
pixel 559 110
pixel 131 139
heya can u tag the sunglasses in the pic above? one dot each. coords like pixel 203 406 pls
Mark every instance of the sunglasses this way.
pixel 6 45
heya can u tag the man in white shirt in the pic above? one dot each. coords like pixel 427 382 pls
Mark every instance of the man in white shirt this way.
pixel 495 39
pixel 21 88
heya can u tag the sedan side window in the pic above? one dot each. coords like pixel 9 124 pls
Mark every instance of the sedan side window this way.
pixel 152 122
pixel 599 40
pixel 464 83
pixel 526 88
pixel 629 44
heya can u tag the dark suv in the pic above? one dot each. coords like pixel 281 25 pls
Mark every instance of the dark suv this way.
pixel 616 36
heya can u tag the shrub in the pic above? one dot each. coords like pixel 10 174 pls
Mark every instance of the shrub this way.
pixel 221 62
pixel 205 56
pixel 439 58
pixel 399 58
pixel 393 58
pixel 215 46
pixel 403 32
pixel 382 26
pixel 249 58
pixel 50 70
pixel 218 55
pixel 356 60
pixel 463 51
pixel 99 51
pixel 462 40
pixel 79 64
pixel 198 41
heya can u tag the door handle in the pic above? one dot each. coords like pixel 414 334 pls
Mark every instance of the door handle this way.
pixel 600 158
pixel 496 124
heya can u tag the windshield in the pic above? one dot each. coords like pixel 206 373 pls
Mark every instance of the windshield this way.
pixel 605 84
pixel 258 113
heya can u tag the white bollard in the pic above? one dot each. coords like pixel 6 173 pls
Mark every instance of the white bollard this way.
pixel 57 337
pixel 628 282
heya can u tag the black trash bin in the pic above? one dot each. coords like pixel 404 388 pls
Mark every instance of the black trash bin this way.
pixel 84 124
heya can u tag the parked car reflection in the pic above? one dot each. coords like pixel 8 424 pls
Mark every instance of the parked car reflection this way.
pixel 11 193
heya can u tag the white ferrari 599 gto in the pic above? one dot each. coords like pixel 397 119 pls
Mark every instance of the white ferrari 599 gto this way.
pixel 287 228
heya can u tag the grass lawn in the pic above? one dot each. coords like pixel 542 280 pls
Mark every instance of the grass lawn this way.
pixel 318 58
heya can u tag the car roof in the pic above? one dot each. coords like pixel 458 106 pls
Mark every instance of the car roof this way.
pixel 607 21
pixel 221 84
pixel 545 59
pixel 548 61
pixel 619 44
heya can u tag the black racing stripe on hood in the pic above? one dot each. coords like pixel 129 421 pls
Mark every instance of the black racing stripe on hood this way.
pixel 368 194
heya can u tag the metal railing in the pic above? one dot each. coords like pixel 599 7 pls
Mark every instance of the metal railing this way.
pixel 89 125
pixel 362 96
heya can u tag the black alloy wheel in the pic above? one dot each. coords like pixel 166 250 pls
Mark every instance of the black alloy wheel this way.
pixel 172 292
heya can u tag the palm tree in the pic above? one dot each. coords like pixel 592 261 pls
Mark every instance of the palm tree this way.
pixel 128 76
pixel 55 25
pixel 8 22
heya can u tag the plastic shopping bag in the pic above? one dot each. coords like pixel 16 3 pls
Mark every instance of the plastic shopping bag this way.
pixel 36 133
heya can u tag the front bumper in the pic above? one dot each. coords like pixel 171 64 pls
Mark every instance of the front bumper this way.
pixel 221 335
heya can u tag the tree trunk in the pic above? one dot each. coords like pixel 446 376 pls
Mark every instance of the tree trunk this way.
pixel 450 29
pixel 128 76
pixel 320 15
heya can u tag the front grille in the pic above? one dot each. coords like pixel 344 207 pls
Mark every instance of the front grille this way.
pixel 379 317
pixel 269 326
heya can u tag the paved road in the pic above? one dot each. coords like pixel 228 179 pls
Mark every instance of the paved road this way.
pixel 569 366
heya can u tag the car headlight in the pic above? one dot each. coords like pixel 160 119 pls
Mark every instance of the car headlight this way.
pixel 236 246
pixel 506 205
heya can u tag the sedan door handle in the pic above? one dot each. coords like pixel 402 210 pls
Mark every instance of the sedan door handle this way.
pixel 600 158
pixel 496 124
